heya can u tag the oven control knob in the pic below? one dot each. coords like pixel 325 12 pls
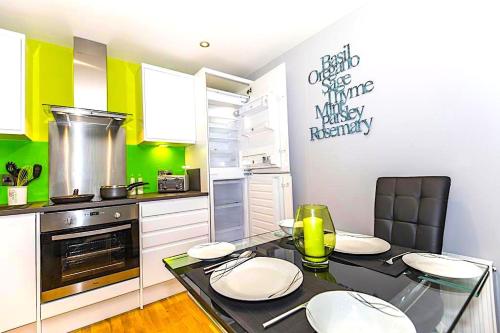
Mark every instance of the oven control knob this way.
pixel 117 215
pixel 69 220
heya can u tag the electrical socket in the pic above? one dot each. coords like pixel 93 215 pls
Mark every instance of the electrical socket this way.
pixel 7 180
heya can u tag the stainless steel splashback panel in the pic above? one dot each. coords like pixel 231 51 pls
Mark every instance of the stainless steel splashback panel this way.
pixel 85 156
pixel 89 67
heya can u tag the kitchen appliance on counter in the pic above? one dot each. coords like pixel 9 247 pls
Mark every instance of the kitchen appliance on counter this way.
pixel 168 183
pixel 86 249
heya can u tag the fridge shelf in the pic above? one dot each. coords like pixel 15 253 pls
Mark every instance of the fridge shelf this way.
pixel 221 152
pixel 221 119
pixel 252 107
pixel 221 139
pixel 222 127
pixel 228 205
pixel 230 235
pixel 256 130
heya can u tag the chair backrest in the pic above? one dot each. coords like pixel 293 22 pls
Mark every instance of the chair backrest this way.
pixel 411 211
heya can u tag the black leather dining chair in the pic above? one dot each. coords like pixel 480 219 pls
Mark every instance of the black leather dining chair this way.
pixel 411 211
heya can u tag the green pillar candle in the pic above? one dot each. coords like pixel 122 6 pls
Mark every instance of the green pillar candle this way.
pixel 314 242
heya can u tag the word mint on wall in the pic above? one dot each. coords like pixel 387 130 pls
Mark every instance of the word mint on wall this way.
pixel 337 115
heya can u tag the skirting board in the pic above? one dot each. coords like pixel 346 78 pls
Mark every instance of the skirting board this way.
pixel 161 291
pixel 106 309
pixel 30 328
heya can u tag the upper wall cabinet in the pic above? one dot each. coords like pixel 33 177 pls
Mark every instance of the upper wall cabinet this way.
pixel 12 78
pixel 168 106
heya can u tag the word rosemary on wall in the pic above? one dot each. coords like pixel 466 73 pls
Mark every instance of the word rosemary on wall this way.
pixel 337 115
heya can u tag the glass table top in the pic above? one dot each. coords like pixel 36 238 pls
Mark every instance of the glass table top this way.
pixel 433 304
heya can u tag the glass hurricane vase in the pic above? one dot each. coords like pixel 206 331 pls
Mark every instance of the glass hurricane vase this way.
pixel 314 235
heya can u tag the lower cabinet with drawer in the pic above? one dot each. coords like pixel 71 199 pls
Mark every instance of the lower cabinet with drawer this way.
pixel 169 228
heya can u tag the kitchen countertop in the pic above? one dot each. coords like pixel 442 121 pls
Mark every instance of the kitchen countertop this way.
pixel 47 206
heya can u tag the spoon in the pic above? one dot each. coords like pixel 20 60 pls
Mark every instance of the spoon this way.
pixel 210 268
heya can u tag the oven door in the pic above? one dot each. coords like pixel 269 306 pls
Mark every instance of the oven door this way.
pixel 82 259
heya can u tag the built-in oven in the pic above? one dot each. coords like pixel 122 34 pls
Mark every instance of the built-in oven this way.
pixel 87 249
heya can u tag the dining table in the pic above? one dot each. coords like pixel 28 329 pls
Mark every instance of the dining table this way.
pixel 433 304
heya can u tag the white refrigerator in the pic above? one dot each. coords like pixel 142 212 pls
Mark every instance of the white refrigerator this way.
pixel 250 182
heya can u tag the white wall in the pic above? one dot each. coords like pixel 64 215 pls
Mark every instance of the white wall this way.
pixel 436 109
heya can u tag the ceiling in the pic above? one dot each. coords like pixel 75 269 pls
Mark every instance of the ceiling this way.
pixel 244 35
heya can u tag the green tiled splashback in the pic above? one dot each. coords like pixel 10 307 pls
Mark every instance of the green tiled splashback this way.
pixel 142 160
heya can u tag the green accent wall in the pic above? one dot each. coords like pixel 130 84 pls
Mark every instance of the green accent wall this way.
pixel 24 152
pixel 49 80
pixel 146 160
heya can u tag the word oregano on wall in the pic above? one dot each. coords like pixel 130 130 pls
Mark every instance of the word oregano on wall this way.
pixel 337 115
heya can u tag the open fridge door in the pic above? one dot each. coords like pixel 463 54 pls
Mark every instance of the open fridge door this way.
pixel 264 125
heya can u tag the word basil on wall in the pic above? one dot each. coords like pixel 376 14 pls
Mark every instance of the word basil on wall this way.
pixel 338 115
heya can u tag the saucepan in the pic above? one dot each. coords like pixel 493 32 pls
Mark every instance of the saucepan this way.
pixel 110 192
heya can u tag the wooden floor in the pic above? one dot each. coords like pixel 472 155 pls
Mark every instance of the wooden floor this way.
pixel 174 314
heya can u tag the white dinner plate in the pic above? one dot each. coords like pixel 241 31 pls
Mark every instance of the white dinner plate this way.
pixel 350 243
pixel 349 311
pixel 287 226
pixel 442 266
pixel 211 251
pixel 257 279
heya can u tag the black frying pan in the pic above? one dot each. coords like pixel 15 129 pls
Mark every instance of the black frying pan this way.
pixel 110 192
pixel 74 198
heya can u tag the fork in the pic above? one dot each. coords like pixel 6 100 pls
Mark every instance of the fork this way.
pixel 390 261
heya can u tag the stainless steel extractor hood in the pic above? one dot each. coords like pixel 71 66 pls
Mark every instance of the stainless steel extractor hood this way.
pixel 89 73
pixel 86 142
pixel 90 87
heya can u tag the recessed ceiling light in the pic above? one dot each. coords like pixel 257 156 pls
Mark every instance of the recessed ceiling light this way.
pixel 204 44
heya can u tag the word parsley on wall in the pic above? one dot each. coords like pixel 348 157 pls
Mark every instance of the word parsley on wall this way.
pixel 337 115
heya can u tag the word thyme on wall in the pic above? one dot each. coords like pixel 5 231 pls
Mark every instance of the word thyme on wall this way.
pixel 337 115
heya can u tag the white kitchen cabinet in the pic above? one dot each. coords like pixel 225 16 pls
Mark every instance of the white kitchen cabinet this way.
pixel 12 82
pixel 18 271
pixel 168 228
pixel 168 106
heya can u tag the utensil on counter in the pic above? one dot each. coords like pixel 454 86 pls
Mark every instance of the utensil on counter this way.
pixel 74 198
pixel 284 315
pixel 211 268
pixel 211 251
pixel 110 192
pixel 25 176
pixel 391 260
pixel 37 171
pixel 12 169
